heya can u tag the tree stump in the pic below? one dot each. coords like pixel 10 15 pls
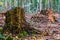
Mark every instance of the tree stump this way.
pixel 15 20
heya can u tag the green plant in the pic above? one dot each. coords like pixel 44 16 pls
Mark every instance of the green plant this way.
pixel 33 32
pixel 25 33
pixel 1 28
pixel 20 35
pixel 2 36
pixel 10 38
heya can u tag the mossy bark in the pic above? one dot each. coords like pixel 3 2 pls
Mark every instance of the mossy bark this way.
pixel 15 20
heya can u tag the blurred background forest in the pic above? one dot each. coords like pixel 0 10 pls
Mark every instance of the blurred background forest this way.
pixel 18 19
pixel 30 6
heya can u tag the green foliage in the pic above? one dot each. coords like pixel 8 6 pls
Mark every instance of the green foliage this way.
pixel 34 32
pixel 2 36
pixel 1 28
pixel 9 38
pixel 25 33
pixel 20 35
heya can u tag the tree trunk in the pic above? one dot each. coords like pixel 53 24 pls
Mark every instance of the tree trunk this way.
pixel 15 20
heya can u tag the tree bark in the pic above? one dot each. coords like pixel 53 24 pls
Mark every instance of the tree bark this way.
pixel 15 20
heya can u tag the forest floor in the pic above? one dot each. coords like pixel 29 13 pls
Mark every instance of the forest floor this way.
pixel 52 28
